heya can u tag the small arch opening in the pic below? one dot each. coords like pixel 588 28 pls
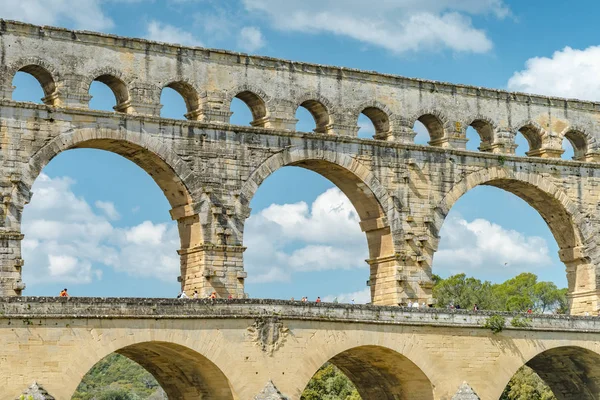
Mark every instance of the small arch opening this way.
pixel 481 132
pixel 533 136
pixel 318 113
pixel 373 119
pixel 434 127
pixel 473 139
pixel 422 136
pixel 179 99
pixel 254 104
pixel 35 84
pixel 366 129
pixel 240 113
pixel 109 93
pixel 575 145
pixel 173 104
pixel 522 145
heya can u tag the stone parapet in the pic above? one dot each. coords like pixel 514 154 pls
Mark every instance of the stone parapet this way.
pixel 47 308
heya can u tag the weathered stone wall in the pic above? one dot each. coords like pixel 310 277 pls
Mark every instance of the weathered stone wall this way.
pixel 246 350
pixel 210 170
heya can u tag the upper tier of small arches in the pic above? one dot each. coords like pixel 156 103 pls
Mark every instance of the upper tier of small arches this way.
pixel 271 110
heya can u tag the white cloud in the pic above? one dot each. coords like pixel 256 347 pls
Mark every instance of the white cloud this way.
pixel 295 238
pixel 81 14
pixel 67 241
pixel 359 297
pixel 395 25
pixel 481 247
pixel 251 39
pixel 568 73
pixel 108 208
pixel 162 32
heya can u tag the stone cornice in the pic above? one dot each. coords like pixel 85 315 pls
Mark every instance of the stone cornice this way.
pixel 229 57
pixel 30 310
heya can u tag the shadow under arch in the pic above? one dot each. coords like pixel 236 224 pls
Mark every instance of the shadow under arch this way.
pixel 571 372
pixel 183 373
pixel 554 206
pixel 381 373
pixel 365 192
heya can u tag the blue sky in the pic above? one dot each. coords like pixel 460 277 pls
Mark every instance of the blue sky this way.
pixel 116 237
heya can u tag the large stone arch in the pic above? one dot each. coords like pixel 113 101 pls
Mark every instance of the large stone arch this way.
pixel 572 371
pixel 562 215
pixel 377 370
pixel 172 175
pixel 368 196
pixel 187 369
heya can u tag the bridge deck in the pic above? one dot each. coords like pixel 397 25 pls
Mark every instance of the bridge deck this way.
pixel 46 308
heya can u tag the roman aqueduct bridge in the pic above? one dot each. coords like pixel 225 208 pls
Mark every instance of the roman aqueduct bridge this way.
pixel 209 170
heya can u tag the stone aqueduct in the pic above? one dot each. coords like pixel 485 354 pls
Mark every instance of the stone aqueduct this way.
pixel 209 171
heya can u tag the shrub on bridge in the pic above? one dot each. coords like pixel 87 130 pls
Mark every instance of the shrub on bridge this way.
pixel 496 323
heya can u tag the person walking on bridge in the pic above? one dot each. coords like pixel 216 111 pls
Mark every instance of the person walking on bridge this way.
pixel 64 293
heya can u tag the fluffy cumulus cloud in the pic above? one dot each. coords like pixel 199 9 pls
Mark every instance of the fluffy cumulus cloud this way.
pixel 568 73
pixel 396 25
pixel 67 240
pixel 251 39
pixel 295 238
pixel 480 248
pixel 162 32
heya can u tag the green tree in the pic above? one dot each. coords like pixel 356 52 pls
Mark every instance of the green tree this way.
pixel 116 374
pixel 329 383
pixel 548 297
pixel 466 292
pixel 116 394
pixel 527 385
